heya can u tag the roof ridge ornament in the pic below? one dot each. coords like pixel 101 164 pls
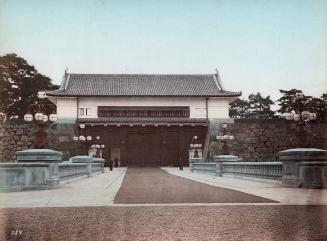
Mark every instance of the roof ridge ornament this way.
pixel 218 79
pixel 65 80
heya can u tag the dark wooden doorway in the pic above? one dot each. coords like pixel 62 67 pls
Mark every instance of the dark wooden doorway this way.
pixel 143 149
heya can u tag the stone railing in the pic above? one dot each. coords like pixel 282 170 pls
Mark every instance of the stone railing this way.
pixel 266 170
pixel 43 169
pixel 204 167
pixel 68 170
pixel 72 170
pixel 96 167
pixel 228 165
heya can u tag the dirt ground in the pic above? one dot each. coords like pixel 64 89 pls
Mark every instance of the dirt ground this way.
pixel 153 185
pixel 166 223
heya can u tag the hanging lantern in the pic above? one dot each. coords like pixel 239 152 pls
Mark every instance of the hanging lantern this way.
pixel 38 116
pixel 288 115
pixel 312 116
pixel 45 118
pixel 297 117
pixel 305 115
pixel 41 94
pixel 53 117
pixel 28 117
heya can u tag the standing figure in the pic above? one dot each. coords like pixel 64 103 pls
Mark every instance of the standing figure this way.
pixel 111 164
pixel 180 163
pixel 116 162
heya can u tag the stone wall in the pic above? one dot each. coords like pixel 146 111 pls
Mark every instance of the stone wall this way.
pixel 14 137
pixel 17 136
pixel 261 140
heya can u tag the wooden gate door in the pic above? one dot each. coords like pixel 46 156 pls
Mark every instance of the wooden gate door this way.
pixel 143 149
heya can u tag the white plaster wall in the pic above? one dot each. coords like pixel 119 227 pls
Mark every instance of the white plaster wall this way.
pixel 67 107
pixel 217 107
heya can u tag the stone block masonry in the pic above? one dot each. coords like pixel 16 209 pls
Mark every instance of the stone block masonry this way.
pixel 17 136
pixel 261 140
pixel 14 137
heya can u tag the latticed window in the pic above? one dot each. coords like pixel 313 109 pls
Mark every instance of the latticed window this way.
pixel 146 112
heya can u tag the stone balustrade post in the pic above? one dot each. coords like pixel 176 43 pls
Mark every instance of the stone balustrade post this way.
pixel 84 159
pixel 304 167
pixel 44 156
pixel 220 160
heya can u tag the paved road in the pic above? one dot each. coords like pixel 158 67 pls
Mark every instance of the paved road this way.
pixel 153 185
pixel 217 223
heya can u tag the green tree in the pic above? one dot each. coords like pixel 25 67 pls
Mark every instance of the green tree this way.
pixel 256 107
pixel 288 103
pixel 19 85
pixel 260 107
pixel 239 109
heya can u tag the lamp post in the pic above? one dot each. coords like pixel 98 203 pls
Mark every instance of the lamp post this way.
pixel 82 139
pixel 41 120
pixel 98 146
pixel 195 148
pixel 301 117
pixel 224 138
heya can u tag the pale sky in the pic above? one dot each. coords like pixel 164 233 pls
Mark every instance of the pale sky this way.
pixel 257 45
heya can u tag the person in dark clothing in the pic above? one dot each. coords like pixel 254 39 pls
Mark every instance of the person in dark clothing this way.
pixel 111 164
pixel 116 162
pixel 180 163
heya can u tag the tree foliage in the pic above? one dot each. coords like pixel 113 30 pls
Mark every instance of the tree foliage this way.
pixel 256 107
pixel 288 103
pixel 19 85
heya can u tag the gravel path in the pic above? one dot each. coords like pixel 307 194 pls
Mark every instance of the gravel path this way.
pixel 166 223
pixel 153 185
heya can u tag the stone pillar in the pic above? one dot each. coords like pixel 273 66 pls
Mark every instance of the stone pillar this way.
pixel 46 156
pixel 84 159
pixel 304 167
pixel 220 160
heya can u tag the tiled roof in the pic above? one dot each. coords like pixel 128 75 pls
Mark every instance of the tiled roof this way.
pixel 129 120
pixel 140 85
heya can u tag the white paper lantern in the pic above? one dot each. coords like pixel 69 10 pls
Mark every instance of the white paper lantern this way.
pixel 305 114
pixel 191 145
pixel 38 116
pixel 97 146
pixel 75 138
pixel 231 137
pixel 288 115
pixel 297 117
pixel 41 94
pixel 312 116
pixel 53 117
pixel 82 126
pixel 82 138
pixel 45 118
pixel 28 117
pixel 89 138
pixel 218 137
pixel 93 146
pixel 98 137
pixel 102 146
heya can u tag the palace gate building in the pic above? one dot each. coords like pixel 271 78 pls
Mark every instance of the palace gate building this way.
pixel 143 119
